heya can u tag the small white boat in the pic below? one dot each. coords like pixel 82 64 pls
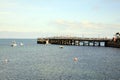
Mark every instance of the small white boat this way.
pixel 60 46
pixel 14 44
pixel 21 44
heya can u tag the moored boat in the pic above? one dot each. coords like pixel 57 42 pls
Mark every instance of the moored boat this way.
pixel 61 46
pixel 14 44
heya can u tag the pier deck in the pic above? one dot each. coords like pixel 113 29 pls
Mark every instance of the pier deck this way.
pixel 74 41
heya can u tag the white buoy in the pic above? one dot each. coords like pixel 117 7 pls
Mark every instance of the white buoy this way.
pixel 21 44
pixel 75 59
pixel 6 61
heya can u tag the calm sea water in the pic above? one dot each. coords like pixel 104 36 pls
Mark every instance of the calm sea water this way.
pixel 49 62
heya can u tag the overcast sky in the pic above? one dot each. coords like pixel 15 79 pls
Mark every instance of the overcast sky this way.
pixel 41 18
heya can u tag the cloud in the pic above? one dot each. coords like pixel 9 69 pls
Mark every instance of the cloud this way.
pixel 69 24
pixel 83 25
pixel 75 25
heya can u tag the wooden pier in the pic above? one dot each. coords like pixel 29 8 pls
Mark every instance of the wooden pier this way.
pixel 75 41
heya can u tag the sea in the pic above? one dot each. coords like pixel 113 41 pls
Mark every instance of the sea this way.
pixel 34 61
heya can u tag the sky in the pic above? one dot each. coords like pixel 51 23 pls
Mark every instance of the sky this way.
pixel 44 18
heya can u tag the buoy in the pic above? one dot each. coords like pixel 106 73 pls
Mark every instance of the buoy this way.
pixel 21 44
pixel 6 60
pixel 75 59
